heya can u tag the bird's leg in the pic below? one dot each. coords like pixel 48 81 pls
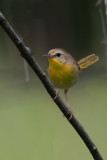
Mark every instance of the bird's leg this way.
pixel 68 105
pixel 65 93
pixel 56 94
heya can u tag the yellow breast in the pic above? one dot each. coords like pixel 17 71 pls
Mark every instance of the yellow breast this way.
pixel 62 75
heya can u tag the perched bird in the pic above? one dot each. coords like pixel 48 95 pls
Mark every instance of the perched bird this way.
pixel 64 70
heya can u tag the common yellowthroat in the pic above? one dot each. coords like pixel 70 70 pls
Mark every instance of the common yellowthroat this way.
pixel 64 70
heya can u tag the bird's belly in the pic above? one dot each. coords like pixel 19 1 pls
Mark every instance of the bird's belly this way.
pixel 63 78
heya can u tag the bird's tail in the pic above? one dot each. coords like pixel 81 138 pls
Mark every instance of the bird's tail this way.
pixel 87 61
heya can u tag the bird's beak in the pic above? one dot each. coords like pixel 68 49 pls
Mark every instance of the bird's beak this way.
pixel 48 55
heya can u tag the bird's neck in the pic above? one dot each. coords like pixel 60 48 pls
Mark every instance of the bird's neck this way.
pixel 53 63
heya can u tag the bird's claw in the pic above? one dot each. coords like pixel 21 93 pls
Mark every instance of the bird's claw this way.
pixel 71 113
pixel 56 94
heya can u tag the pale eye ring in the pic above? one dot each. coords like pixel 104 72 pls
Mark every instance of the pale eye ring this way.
pixel 58 54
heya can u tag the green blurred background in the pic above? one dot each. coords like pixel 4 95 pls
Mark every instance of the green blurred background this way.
pixel 31 125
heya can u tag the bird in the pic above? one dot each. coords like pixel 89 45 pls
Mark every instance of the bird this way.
pixel 64 70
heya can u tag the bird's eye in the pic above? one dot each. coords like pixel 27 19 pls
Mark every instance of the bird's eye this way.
pixel 58 54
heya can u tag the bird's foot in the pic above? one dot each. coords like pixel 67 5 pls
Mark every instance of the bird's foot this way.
pixel 71 113
pixel 56 94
